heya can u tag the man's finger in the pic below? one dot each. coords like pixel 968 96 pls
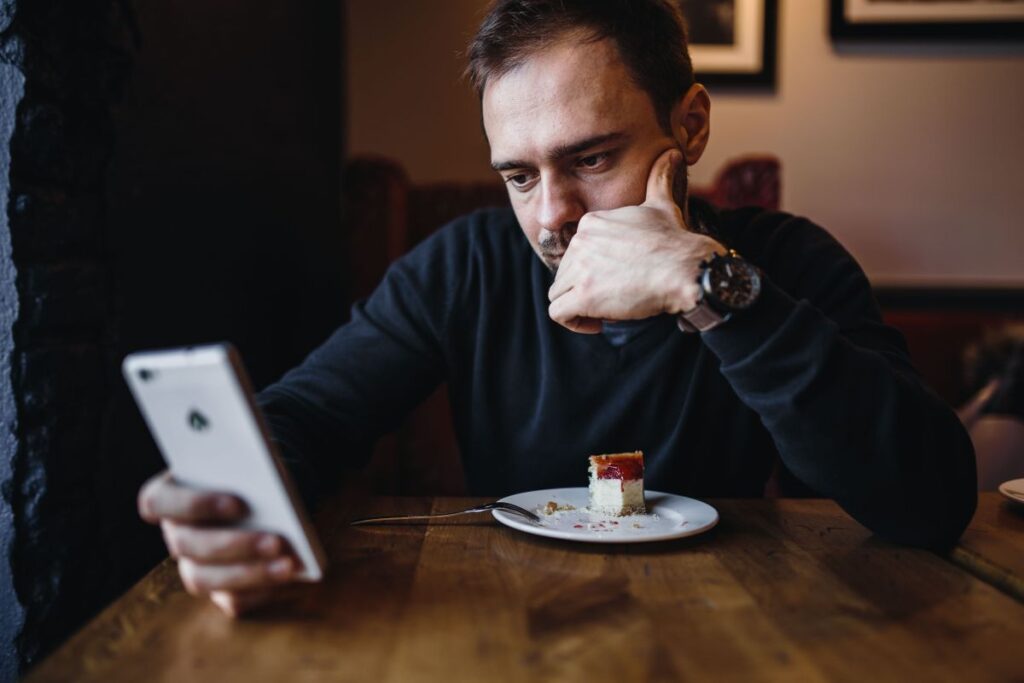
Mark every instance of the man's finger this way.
pixel 661 181
pixel 163 498
pixel 559 287
pixel 585 325
pixel 214 545
pixel 202 579
pixel 562 312
pixel 239 603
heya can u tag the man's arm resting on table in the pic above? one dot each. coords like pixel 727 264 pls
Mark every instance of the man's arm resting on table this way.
pixel 851 418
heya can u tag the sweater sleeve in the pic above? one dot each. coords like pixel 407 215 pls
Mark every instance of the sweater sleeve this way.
pixel 327 413
pixel 835 388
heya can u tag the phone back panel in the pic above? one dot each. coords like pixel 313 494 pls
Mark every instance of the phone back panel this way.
pixel 198 405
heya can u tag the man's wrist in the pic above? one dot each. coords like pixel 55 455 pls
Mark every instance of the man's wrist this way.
pixel 688 291
pixel 728 285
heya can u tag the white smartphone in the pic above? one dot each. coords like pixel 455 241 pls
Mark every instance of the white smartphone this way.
pixel 198 404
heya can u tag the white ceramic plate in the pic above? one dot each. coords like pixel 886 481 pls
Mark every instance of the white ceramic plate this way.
pixel 668 517
pixel 1013 489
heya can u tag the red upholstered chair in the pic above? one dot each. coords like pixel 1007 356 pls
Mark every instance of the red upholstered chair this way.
pixel 388 215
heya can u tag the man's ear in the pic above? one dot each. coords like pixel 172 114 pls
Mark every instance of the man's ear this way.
pixel 691 122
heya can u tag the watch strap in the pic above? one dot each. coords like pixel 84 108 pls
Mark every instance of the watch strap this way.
pixel 703 316
pixel 700 318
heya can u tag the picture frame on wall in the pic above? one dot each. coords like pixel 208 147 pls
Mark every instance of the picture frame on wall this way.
pixel 732 42
pixel 968 20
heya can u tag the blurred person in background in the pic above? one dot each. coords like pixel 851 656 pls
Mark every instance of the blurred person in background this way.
pixel 994 415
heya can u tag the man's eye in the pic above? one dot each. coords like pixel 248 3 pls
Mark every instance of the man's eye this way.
pixel 592 160
pixel 519 180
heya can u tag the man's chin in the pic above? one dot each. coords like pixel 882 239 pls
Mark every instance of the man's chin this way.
pixel 552 263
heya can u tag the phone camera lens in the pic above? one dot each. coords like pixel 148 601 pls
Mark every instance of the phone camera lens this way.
pixel 145 375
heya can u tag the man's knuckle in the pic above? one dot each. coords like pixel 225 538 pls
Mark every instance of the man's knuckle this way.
pixel 145 506
pixel 148 499
pixel 555 312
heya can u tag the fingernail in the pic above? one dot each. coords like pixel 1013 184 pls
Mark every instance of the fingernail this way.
pixel 268 545
pixel 280 569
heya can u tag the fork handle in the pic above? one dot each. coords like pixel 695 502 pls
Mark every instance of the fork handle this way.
pixel 396 518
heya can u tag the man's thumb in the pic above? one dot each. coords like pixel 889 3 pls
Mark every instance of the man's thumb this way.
pixel 661 181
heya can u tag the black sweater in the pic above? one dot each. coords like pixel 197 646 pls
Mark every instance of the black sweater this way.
pixel 809 374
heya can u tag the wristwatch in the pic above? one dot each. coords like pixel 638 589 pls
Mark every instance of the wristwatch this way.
pixel 728 285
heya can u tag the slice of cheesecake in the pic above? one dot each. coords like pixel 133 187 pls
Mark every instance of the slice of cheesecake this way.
pixel 617 484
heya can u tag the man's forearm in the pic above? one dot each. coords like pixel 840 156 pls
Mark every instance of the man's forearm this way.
pixel 850 420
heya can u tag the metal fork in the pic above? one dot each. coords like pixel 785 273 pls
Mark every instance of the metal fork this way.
pixel 507 507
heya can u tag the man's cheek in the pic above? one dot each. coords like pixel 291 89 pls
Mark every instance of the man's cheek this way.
pixel 617 192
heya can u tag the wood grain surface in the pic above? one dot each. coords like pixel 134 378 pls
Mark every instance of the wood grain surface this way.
pixel 781 590
pixel 992 548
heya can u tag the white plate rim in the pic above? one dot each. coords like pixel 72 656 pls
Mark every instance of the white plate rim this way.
pixel 1017 484
pixel 518 523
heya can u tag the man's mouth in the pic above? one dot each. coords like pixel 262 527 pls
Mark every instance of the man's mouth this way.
pixel 552 260
pixel 553 244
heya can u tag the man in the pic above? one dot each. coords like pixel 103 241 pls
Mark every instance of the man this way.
pixel 636 328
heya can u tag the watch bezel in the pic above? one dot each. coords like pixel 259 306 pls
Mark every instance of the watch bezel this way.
pixel 710 291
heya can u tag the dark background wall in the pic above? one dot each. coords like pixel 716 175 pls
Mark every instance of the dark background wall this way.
pixel 71 60
pixel 12 89
pixel 174 180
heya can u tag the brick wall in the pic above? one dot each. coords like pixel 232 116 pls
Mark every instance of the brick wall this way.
pixel 12 88
pixel 72 58
pixel 168 175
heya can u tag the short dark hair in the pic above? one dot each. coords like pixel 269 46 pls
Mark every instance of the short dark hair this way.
pixel 649 34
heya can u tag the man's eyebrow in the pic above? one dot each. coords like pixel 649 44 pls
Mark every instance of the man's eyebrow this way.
pixel 562 151
pixel 573 148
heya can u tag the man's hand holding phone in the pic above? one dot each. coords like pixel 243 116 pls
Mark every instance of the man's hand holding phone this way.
pixel 239 569
pixel 199 406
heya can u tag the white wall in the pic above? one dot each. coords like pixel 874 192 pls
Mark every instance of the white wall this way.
pixel 911 155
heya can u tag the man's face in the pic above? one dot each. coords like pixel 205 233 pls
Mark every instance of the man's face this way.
pixel 571 133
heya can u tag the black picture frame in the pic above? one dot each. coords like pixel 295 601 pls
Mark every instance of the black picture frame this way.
pixel 840 28
pixel 760 76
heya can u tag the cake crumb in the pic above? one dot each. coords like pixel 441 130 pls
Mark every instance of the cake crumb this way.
pixel 552 507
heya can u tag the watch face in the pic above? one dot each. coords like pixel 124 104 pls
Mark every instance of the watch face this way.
pixel 733 283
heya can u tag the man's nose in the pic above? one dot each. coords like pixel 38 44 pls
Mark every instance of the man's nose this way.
pixel 560 206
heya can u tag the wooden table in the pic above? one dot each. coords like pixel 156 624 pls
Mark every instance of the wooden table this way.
pixel 780 590
pixel 992 548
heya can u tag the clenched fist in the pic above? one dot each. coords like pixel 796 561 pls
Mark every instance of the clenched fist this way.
pixel 632 262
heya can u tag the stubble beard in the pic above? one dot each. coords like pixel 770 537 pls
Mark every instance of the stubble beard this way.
pixel 552 246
